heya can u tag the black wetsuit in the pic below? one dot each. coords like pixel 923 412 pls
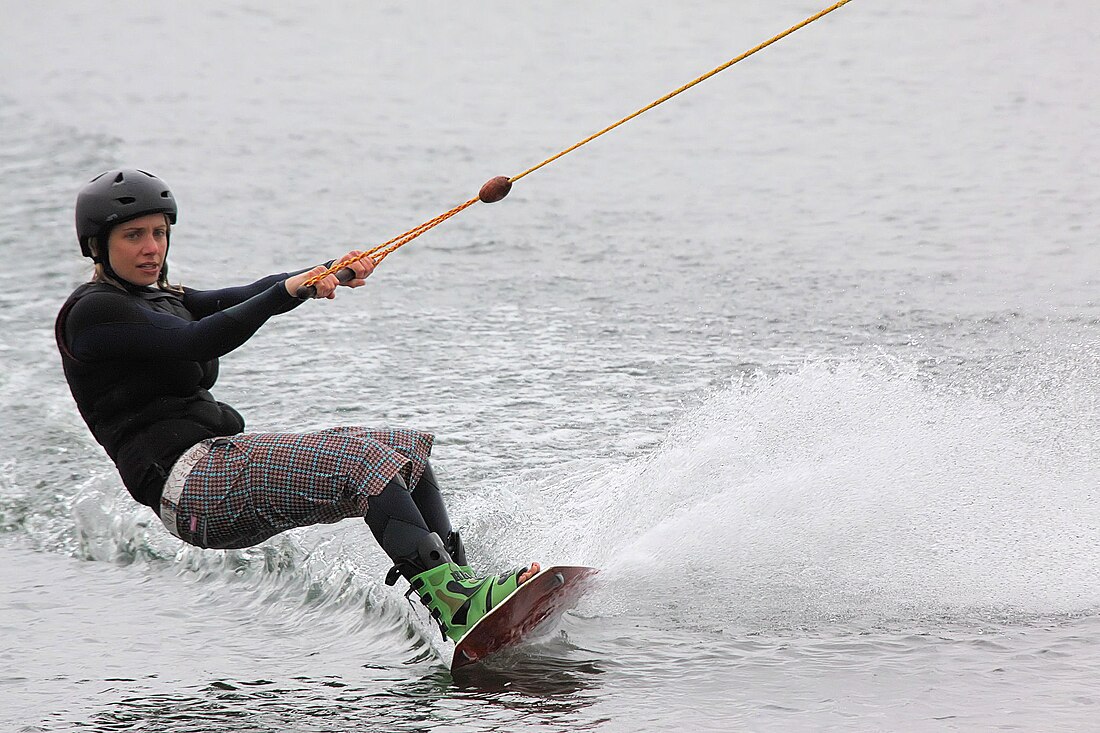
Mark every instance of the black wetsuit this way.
pixel 140 363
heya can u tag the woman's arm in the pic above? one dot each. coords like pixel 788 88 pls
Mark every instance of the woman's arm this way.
pixel 204 302
pixel 110 326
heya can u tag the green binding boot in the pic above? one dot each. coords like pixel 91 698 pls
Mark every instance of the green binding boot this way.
pixel 455 597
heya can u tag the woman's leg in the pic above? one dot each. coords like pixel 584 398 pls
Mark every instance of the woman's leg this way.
pixel 429 500
pixel 250 487
pixel 395 521
pixel 454 597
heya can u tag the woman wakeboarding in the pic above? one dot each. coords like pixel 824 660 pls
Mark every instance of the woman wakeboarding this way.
pixel 140 356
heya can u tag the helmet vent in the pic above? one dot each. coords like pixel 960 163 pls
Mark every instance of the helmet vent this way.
pixel 124 200
pixel 119 178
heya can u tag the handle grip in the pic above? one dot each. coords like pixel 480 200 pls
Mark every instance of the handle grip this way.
pixel 310 291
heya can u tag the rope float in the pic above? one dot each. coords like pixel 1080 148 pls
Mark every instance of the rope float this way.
pixel 498 187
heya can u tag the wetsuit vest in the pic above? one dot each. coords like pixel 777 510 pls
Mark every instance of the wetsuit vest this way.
pixel 140 363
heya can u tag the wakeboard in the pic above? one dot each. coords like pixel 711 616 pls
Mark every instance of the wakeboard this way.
pixel 535 604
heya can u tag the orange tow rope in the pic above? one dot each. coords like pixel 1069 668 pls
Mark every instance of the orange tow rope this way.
pixel 497 188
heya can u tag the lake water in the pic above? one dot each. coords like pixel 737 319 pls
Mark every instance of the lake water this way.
pixel 806 360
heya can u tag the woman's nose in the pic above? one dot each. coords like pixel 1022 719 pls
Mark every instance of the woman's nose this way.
pixel 149 243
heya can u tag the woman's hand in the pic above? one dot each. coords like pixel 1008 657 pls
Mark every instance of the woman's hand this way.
pixel 323 288
pixel 326 287
pixel 361 267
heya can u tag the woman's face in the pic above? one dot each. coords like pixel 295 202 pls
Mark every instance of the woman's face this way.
pixel 136 249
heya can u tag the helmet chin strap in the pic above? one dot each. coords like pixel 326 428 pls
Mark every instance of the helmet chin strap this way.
pixel 162 278
pixel 109 272
pixel 103 260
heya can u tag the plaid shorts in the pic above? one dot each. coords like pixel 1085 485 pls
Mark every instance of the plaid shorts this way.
pixel 249 487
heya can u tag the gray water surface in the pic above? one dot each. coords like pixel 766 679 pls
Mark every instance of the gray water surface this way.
pixel 805 360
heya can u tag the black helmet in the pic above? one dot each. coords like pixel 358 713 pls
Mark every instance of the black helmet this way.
pixel 117 196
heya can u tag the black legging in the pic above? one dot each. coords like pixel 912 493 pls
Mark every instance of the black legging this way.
pixel 399 519
pixel 429 501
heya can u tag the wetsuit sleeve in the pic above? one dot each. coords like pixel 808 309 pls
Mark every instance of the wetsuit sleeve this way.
pixel 109 327
pixel 205 302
